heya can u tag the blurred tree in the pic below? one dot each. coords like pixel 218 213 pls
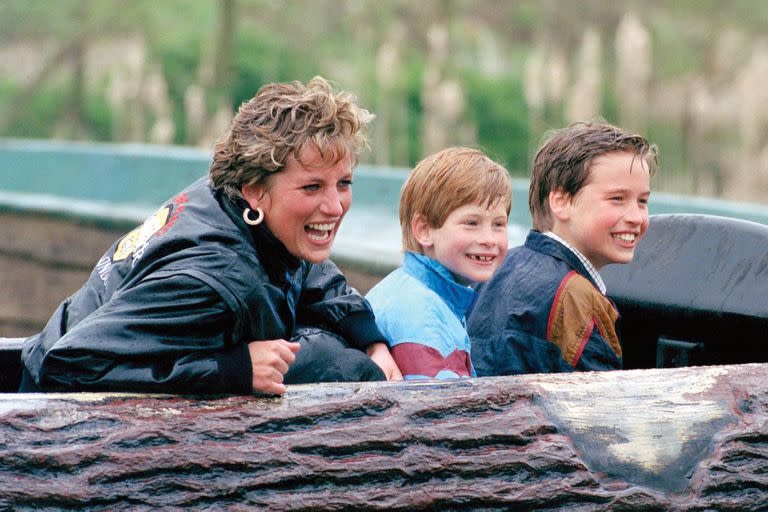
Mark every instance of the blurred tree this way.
pixel 209 103
pixel 175 70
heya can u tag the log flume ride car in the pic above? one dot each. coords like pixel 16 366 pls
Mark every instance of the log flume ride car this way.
pixel 669 436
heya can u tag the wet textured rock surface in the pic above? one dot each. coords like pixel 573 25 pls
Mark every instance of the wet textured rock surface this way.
pixel 683 439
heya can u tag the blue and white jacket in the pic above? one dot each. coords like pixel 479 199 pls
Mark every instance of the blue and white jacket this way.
pixel 421 309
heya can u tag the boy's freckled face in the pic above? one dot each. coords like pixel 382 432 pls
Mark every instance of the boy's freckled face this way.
pixel 608 216
pixel 472 242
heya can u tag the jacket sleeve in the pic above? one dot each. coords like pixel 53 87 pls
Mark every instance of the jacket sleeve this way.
pixel 421 360
pixel 328 301
pixel 582 324
pixel 327 357
pixel 520 351
pixel 517 352
pixel 416 341
pixel 169 334
pixel 598 355
pixel 427 340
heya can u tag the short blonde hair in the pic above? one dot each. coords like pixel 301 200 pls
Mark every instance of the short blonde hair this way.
pixel 447 180
pixel 278 122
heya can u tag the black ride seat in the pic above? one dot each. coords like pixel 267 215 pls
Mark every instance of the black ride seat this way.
pixel 695 294
pixel 10 364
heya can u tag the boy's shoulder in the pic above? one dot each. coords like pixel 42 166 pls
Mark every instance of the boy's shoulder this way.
pixel 407 310
pixel 530 278
pixel 538 260
pixel 400 291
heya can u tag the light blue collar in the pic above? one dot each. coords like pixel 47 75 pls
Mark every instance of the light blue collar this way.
pixel 439 279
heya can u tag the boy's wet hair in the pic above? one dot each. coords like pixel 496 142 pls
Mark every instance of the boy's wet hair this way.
pixel 447 180
pixel 564 159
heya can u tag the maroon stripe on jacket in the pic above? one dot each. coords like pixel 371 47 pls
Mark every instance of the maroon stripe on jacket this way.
pixel 418 359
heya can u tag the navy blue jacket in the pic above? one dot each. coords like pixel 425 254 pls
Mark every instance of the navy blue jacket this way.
pixel 542 313
pixel 172 305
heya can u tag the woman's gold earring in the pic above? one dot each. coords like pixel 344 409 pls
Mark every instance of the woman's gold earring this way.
pixel 253 222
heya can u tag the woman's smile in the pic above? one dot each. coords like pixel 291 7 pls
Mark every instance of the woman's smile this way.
pixel 320 232
pixel 305 202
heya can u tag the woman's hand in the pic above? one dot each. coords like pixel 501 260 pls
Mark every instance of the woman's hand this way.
pixel 379 353
pixel 270 360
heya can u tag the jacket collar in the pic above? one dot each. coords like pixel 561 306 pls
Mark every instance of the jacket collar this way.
pixel 272 254
pixel 593 273
pixel 540 242
pixel 439 279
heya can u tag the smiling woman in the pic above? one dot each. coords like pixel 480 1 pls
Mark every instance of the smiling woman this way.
pixel 305 203
pixel 205 294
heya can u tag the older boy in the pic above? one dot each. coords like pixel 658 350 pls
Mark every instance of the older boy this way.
pixel 545 310
pixel 453 214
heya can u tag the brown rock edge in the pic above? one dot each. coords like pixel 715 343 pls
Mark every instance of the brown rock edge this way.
pixel 670 439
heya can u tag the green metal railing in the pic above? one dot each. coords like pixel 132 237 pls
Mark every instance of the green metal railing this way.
pixel 121 184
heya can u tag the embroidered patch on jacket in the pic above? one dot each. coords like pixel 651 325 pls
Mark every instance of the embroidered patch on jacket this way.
pixel 135 242
pixel 139 236
pixel 577 310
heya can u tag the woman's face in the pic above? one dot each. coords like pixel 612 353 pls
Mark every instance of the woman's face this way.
pixel 304 203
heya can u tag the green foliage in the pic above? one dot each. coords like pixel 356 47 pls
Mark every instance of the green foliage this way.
pixel 610 104
pixel 36 120
pixel 179 63
pixel 295 40
pixel 669 139
pixel 526 15
pixel 256 64
pixel 415 114
pixel 98 117
pixel 501 116
pixel 39 119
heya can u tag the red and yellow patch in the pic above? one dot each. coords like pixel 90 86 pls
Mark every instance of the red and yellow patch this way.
pixel 139 236
pixel 158 223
